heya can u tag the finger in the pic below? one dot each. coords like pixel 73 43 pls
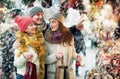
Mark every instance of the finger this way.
pixel 61 53
pixel 82 21
pixel 61 56
pixel 58 57
pixel 31 56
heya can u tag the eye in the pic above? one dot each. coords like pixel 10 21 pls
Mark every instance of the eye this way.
pixel 40 14
pixel 32 24
pixel 53 21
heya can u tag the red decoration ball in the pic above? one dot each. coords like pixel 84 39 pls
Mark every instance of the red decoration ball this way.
pixel 77 63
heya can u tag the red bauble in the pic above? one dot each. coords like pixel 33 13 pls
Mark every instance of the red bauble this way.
pixel 77 63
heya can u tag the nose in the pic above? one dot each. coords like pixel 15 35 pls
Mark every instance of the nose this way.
pixel 40 16
pixel 34 26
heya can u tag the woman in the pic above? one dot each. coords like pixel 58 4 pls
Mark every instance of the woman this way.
pixel 60 46
pixel 32 47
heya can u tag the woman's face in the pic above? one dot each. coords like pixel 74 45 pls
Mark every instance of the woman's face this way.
pixel 31 29
pixel 38 18
pixel 54 24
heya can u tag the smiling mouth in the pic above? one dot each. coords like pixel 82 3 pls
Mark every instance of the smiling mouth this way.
pixel 40 19
pixel 34 29
pixel 52 27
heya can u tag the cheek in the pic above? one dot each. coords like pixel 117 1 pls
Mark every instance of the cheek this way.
pixel 35 19
pixel 29 30
pixel 38 21
pixel 56 27
pixel 32 30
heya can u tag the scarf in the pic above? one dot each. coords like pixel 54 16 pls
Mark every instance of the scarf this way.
pixel 54 37
pixel 38 44
pixel 42 26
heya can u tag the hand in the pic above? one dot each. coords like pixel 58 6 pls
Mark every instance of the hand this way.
pixel 59 55
pixel 16 44
pixel 79 26
pixel 28 56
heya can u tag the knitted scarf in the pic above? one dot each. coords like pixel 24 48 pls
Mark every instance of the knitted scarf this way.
pixel 38 44
pixel 53 36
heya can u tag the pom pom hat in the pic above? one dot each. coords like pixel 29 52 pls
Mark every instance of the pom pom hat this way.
pixel 23 22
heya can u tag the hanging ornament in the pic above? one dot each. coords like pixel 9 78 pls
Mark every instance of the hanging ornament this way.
pixel 77 63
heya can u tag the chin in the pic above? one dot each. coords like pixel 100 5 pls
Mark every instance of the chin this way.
pixel 53 30
pixel 33 32
pixel 39 22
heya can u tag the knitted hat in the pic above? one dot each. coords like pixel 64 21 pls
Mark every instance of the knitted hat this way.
pixel 34 10
pixel 59 17
pixel 23 22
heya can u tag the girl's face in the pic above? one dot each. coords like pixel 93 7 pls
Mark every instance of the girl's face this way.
pixel 54 24
pixel 31 29
pixel 38 18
